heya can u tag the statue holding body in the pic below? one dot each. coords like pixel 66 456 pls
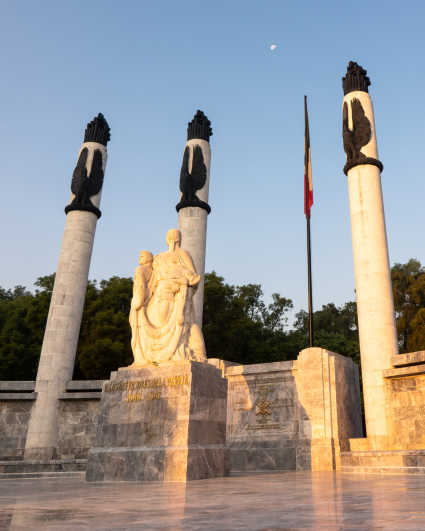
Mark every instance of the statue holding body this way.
pixel 161 316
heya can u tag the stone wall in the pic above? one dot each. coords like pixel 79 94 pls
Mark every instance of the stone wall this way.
pixel 284 415
pixel 329 396
pixel 293 414
pixel 16 401
pixel 77 427
pixel 402 449
pixel 262 416
pixel 78 410
pixel 405 402
pixel 14 418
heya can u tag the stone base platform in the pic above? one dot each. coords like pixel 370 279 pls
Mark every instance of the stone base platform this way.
pixel 263 458
pixel 158 464
pixel 384 462
pixel 325 501
pixel 42 475
pixel 402 449
pixel 30 467
pixel 164 423
pixel 56 468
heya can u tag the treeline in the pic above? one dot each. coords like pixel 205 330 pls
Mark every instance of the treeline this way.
pixel 238 325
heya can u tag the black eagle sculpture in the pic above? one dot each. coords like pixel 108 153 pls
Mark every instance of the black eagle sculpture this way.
pixel 191 182
pixel 356 80
pixel 85 186
pixel 361 133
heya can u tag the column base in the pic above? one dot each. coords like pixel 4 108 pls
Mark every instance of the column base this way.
pixel 158 464
pixel 40 454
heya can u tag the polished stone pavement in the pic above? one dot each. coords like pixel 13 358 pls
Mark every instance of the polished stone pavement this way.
pixel 273 501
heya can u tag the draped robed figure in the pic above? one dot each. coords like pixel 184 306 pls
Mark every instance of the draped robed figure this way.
pixel 161 315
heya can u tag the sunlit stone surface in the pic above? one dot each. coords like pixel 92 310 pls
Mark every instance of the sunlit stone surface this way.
pixel 162 318
pixel 164 423
pixel 275 501
pixel 292 414
pixel 375 308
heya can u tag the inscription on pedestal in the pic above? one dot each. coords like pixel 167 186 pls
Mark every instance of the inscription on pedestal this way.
pixel 138 396
pixel 261 404
pixel 262 411
pixel 135 389
pixel 131 385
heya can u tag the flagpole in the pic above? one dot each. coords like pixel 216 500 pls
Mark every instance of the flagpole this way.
pixel 307 205
pixel 310 289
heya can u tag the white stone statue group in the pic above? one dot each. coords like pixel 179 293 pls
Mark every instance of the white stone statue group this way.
pixel 161 314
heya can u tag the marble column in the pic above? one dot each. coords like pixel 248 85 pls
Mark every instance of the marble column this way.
pixel 375 308
pixel 66 307
pixel 193 207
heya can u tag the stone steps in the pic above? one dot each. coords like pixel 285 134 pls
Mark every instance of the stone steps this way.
pixel 379 462
pixel 41 475
pixel 59 466
pixel 383 469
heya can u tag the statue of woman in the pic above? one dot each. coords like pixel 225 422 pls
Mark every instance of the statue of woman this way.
pixel 161 315
pixel 142 277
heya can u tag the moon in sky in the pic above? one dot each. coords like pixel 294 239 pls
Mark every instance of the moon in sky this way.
pixel 273 47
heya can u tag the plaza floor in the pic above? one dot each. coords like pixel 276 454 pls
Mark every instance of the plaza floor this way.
pixel 274 501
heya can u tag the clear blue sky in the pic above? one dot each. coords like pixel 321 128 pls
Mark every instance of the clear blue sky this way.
pixel 148 65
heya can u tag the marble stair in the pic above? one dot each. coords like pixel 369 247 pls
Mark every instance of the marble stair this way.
pixel 36 469
pixel 383 462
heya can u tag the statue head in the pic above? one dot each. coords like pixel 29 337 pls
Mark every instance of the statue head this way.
pixel 173 239
pixel 145 257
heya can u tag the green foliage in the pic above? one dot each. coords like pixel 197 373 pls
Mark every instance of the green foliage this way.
pixel 335 329
pixel 105 334
pixel 104 343
pixel 22 321
pixel 408 282
pixel 238 325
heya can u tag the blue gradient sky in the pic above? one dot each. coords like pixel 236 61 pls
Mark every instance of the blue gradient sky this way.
pixel 148 66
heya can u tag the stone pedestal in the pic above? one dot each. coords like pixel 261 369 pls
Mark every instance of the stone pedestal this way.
pixel 293 414
pixel 164 423
pixel 329 407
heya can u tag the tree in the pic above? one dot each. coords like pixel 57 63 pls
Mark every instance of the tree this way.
pixel 408 282
pixel 239 327
pixel 104 343
pixel 22 322
pixel 336 329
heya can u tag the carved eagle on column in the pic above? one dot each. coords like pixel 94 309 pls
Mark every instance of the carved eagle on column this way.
pixel 191 182
pixel 85 186
pixel 359 136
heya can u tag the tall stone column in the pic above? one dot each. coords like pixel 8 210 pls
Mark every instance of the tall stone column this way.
pixel 375 308
pixel 193 207
pixel 66 307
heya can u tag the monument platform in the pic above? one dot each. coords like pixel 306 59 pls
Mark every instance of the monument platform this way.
pixel 384 462
pixel 329 501
pixel 164 423
pixel 402 451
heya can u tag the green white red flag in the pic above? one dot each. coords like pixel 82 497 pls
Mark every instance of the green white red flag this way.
pixel 308 181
